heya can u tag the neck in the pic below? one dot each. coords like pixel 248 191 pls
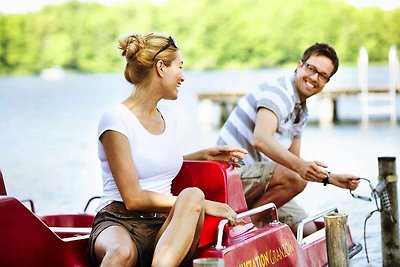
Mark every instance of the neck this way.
pixel 142 101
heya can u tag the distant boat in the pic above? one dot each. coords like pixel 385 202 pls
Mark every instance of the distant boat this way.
pixel 54 73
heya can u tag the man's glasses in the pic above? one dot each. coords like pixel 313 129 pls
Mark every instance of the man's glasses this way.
pixel 171 41
pixel 311 69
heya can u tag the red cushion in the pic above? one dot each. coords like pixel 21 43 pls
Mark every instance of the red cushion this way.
pixel 219 182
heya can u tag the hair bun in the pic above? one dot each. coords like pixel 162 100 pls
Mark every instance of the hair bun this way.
pixel 131 45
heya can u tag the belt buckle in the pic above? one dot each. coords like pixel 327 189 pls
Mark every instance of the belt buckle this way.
pixel 148 216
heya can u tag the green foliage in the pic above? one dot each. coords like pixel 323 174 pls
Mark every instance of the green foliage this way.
pixel 213 34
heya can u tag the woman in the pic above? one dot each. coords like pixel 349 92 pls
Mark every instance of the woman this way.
pixel 139 222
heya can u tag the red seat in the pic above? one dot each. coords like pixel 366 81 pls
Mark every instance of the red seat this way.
pixel 3 191
pixel 27 241
pixel 219 182
pixel 68 220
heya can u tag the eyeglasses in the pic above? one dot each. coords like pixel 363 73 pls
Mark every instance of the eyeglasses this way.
pixel 311 69
pixel 171 41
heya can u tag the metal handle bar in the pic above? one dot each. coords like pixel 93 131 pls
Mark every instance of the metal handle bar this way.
pixel 222 223
pixel 300 227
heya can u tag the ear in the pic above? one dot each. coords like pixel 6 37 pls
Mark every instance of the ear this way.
pixel 160 68
pixel 300 64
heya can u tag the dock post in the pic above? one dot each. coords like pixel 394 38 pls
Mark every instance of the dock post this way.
pixel 336 240
pixel 390 216
pixel 363 82
pixel 394 82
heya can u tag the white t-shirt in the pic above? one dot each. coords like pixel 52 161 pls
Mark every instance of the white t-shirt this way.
pixel 156 158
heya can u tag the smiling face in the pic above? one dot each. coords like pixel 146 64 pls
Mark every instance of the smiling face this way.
pixel 173 78
pixel 311 75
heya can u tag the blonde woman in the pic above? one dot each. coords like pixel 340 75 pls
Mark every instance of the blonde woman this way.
pixel 139 222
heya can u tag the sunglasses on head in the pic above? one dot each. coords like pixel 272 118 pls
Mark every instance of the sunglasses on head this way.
pixel 171 41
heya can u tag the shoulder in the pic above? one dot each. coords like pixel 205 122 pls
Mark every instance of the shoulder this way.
pixel 276 95
pixel 114 119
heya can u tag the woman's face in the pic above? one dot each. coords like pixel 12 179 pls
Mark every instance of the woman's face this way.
pixel 173 78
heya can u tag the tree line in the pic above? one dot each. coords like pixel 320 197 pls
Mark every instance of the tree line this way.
pixel 213 34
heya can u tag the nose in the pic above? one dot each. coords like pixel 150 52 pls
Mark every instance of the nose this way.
pixel 314 76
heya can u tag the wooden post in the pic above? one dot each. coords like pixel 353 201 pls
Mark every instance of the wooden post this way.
pixel 394 82
pixel 208 262
pixel 390 216
pixel 336 240
pixel 363 82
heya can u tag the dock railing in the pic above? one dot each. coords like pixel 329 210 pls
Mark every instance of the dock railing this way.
pixel 375 99
pixel 227 100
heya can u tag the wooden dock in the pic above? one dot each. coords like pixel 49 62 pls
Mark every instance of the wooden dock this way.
pixel 227 100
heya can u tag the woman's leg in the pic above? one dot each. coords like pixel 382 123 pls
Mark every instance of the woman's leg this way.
pixel 181 231
pixel 114 247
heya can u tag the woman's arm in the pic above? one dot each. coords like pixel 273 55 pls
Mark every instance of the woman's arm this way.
pixel 225 153
pixel 117 149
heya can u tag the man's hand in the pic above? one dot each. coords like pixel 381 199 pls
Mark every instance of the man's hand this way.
pixel 312 171
pixel 346 181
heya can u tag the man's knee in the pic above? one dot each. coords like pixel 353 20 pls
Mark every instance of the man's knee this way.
pixel 290 180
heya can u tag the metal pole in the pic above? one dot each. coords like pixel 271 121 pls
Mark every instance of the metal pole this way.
pixel 390 216
pixel 336 240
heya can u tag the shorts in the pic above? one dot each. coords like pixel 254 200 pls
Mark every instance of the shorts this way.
pixel 143 232
pixel 291 213
pixel 255 179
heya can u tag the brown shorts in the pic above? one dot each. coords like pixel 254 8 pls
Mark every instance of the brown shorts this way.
pixel 255 179
pixel 142 228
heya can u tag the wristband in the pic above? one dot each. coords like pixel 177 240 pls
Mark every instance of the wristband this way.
pixel 325 181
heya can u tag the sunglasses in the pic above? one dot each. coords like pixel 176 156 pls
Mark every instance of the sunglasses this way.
pixel 171 41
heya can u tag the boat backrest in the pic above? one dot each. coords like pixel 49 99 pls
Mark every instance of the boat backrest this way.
pixel 3 191
pixel 68 220
pixel 27 241
pixel 219 181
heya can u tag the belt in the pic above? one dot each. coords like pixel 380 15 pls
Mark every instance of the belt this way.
pixel 119 207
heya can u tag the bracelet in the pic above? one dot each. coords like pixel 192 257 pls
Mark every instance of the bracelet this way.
pixel 325 181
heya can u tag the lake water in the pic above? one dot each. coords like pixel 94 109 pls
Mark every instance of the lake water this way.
pixel 49 148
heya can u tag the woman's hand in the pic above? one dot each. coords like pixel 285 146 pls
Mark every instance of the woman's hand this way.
pixel 218 209
pixel 229 154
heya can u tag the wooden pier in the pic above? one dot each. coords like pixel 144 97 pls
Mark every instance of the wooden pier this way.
pixel 227 100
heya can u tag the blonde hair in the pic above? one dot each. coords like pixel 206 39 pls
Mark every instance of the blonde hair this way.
pixel 139 51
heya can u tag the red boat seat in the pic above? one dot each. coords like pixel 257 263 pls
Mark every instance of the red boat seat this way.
pixel 219 182
pixel 27 241
pixel 3 191
pixel 68 220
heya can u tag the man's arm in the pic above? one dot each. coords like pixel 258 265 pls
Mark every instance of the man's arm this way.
pixel 295 147
pixel 265 142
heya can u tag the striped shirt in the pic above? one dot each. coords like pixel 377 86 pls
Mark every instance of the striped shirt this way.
pixel 282 99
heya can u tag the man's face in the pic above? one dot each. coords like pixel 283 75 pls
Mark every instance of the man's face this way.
pixel 312 75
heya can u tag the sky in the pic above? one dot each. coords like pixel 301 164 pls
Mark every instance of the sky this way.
pixel 24 6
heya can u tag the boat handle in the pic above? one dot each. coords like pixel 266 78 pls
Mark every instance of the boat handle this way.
pixel 300 227
pixel 223 222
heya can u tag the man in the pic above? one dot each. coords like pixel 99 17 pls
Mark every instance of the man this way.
pixel 268 122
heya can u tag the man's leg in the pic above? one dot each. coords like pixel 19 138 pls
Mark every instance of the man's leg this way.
pixel 292 214
pixel 284 185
